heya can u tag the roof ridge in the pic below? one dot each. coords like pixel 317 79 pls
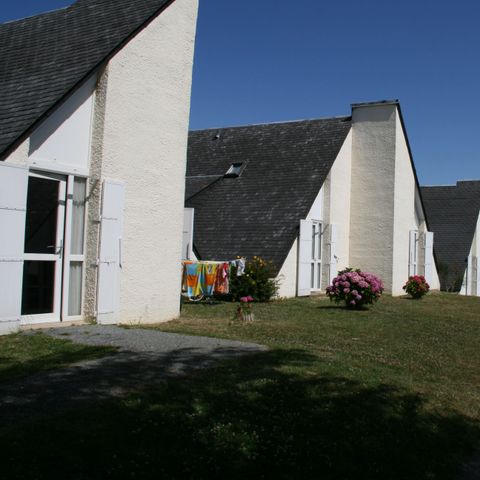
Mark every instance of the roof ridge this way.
pixel 280 122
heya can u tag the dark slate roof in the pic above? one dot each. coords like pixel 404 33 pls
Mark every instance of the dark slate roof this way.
pixel 452 213
pixel 259 212
pixel 43 58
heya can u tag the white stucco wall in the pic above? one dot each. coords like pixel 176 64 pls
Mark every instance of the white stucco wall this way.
pixel 340 201
pixel 405 218
pixel 144 144
pixel 62 141
pixel 470 288
pixel 20 155
pixel 287 276
pixel 373 184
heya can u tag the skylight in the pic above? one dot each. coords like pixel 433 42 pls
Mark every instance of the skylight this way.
pixel 235 170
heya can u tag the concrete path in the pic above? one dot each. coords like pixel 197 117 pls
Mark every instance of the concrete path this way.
pixel 144 357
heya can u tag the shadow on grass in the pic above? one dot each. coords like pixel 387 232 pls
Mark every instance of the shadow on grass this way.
pixel 65 353
pixel 344 308
pixel 260 416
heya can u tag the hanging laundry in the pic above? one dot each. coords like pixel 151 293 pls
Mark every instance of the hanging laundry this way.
pixel 207 278
pixel 240 266
pixel 191 279
pixel 222 286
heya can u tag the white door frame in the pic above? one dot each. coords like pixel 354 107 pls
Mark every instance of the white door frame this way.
pixel 317 254
pixel 57 256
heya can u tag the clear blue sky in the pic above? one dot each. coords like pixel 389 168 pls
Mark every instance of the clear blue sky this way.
pixel 274 60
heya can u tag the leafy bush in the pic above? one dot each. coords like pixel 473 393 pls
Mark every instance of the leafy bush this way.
pixel 258 281
pixel 416 286
pixel 355 288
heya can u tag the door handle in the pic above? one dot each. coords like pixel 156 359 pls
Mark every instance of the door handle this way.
pixel 58 248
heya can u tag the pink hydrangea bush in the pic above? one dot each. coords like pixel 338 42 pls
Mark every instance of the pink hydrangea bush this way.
pixel 355 288
pixel 416 286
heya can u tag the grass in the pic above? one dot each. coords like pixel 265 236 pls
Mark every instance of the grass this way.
pixel 388 393
pixel 428 346
pixel 22 355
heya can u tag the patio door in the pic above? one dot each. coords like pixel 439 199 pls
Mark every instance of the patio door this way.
pixel 43 248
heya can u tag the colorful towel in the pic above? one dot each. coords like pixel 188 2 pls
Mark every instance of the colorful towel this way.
pixel 191 279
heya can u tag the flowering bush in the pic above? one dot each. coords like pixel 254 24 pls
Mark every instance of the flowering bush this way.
pixel 355 288
pixel 416 286
pixel 258 281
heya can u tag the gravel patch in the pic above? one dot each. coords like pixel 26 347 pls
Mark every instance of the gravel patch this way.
pixel 150 341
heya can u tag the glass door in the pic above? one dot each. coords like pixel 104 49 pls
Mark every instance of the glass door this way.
pixel 44 242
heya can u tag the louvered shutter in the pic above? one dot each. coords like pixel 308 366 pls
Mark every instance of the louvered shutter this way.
pixel 412 262
pixel 429 257
pixel 333 253
pixel 110 259
pixel 476 277
pixel 13 202
pixel 304 258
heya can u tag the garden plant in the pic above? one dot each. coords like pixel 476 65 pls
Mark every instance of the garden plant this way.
pixel 416 286
pixel 355 288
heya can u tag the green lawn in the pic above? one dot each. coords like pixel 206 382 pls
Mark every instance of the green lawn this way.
pixel 22 355
pixel 388 393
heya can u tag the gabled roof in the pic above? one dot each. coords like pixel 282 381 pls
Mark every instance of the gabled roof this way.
pixel 45 57
pixel 258 213
pixel 452 213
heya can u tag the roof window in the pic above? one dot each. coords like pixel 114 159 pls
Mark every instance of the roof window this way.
pixel 235 170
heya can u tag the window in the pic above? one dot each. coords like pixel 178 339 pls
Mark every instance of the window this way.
pixel 235 170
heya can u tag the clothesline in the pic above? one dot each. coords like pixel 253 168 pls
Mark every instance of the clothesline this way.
pixel 207 278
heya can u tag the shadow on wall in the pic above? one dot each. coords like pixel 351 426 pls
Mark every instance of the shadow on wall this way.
pixel 252 416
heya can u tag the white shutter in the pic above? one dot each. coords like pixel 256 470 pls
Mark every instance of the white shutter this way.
pixel 333 253
pixel 412 262
pixel 110 258
pixel 304 258
pixel 13 204
pixel 187 243
pixel 476 277
pixel 429 257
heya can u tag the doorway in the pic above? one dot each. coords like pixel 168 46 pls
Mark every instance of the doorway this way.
pixel 54 247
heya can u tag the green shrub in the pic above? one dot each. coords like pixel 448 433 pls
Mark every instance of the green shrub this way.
pixel 258 281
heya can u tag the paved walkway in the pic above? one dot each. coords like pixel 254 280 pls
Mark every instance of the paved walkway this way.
pixel 144 357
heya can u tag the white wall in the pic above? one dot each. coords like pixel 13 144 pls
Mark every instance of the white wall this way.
pixel 20 155
pixel 373 184
pixel 407 215
pixel 288 274
pixel 144 143
pixel 62 141
pixel 340 201
pixel 468 287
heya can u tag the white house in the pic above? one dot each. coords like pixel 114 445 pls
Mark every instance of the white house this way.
pixel 453 213
pixel 313 197
pixel 93 136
